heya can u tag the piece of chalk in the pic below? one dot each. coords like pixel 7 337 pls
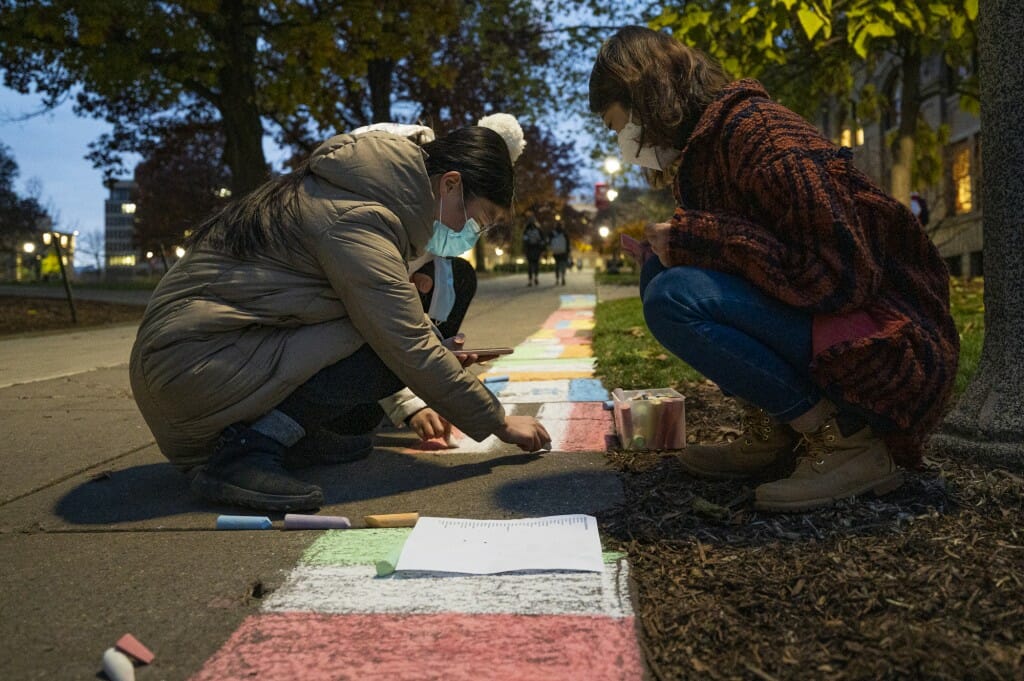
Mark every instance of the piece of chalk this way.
pixel 243 522
pixel 129 645
pixel 299 521
pixel 117 666
pixel 392 520
pixel 495 379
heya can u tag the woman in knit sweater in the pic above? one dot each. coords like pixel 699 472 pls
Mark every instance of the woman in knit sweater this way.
pixel 785 275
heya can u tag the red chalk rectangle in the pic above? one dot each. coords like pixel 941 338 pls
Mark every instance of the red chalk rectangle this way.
pixel 454 647
pixel 130 646
pixel 586 428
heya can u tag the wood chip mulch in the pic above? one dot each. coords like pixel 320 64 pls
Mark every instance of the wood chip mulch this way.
pixel 925 583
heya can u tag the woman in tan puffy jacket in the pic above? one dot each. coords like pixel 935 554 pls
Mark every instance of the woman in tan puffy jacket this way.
pixel 292 314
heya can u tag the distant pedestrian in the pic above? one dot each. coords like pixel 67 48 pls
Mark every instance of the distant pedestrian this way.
pixel 559 245
pixel 785 275
pixel 292 314
pixel 919 207
pixel 534 243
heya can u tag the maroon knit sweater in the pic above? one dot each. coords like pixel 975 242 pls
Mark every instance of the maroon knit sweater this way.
pixel 763 195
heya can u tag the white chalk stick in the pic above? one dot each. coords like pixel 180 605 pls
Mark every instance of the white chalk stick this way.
pixel 117 665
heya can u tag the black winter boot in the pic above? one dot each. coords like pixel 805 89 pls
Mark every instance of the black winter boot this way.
pixel 247 470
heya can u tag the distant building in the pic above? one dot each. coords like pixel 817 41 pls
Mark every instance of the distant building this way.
pixel 119 228
pixel 955 224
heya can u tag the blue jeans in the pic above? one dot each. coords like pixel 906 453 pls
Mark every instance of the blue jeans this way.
pixel 753 346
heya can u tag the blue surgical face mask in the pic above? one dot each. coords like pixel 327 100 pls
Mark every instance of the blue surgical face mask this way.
pixel 447 242
pixel 442 299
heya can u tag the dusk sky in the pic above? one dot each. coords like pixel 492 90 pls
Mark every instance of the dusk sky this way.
pixel 52 148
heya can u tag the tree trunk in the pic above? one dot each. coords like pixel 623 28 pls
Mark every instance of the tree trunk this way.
pixel 238 106
pixel 988 422
pixel 379 75
pixel 903 154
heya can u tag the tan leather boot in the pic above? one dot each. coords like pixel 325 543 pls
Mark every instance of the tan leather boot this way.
pixel 833 467
pixel 762 442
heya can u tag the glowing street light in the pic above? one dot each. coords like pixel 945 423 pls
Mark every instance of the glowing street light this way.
pixel 499 252
pixel 149 254
pixel 612 194
pixel 612 165
pixel 603 231
pixel 179 251
pixel 29 247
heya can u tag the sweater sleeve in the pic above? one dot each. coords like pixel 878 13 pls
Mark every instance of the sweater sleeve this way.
pixel 798 236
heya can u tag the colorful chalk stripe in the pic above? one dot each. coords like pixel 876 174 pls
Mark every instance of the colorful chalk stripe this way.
pixel 334 618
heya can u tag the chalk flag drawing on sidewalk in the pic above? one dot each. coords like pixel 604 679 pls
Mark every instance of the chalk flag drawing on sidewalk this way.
pixel 335 619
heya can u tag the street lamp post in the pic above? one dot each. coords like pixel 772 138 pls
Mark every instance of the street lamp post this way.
pixel 56 238
pixel 613 166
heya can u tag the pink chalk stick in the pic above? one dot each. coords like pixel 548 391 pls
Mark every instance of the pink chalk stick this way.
pixel 131 646
pixel 298 521
pixel 619 416
pixel 677 420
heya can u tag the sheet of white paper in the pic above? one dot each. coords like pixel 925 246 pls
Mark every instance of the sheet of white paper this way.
pixel 484 547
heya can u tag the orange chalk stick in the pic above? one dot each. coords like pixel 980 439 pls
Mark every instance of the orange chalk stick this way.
pixel 392 520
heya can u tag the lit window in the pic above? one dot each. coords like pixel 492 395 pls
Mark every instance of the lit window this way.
pixel 847 139
pixel 962 180
pixel 122 261
pixel 128 208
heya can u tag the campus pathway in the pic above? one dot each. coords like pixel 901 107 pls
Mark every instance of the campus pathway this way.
pixel 100 536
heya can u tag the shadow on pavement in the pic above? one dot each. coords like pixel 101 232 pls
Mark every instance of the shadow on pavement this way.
pixel 151 491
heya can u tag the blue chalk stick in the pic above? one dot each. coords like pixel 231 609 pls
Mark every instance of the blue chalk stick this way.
pixel 243 522
pixel 496 379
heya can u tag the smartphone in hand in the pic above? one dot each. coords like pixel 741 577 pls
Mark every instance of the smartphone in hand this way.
pixel 484 352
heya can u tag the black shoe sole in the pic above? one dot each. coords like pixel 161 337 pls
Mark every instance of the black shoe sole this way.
pixel 218 491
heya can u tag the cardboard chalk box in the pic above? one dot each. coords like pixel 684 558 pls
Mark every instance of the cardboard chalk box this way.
pixel 654 418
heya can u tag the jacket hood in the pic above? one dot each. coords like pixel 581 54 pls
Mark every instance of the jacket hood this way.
pixel 386 169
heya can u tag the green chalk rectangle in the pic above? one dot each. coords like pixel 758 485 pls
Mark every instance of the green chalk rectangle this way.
pixel 356 547
pixel 371 546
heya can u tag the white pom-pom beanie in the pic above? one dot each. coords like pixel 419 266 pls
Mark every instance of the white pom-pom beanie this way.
pixel 508 127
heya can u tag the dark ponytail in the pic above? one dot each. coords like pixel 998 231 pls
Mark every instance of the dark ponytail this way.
pixel 481 156
pixel 257 222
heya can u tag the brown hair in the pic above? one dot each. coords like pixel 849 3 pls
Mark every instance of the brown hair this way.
pixel 664 84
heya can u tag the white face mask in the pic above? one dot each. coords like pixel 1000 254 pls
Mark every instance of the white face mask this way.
pixel 647 156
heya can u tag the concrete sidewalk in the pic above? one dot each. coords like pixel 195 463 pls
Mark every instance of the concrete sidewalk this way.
pixel 100 536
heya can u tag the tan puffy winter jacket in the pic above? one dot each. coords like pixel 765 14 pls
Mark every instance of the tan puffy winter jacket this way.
pixel 225 340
